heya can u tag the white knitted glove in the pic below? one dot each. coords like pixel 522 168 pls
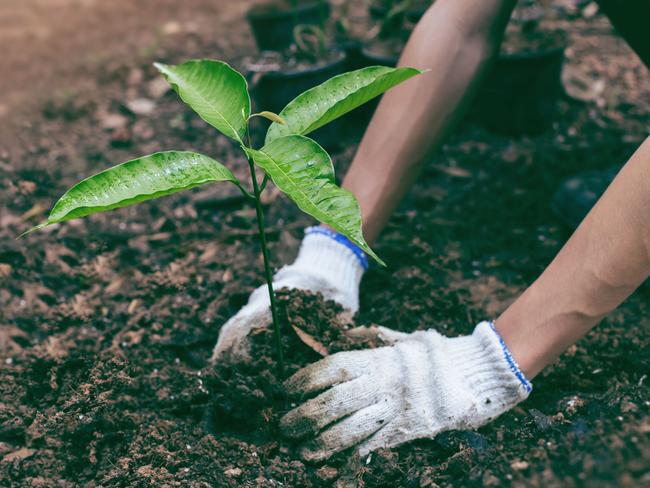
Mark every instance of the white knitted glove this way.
pixel 327 263
pixel 423 385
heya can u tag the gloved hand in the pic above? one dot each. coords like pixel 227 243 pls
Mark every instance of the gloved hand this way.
pixel 422 385
pixel 327 263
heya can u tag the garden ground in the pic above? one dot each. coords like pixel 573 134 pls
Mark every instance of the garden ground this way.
pixel 106 324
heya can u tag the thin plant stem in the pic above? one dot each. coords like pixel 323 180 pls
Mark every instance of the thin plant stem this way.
pixel 264 182
pixel 267 262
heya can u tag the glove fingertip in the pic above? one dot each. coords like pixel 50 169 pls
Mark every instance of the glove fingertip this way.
pixel 295 426
pixel 312 452
pixel 295 383
pixel 232 353
pixel 319 376
pixel 302 380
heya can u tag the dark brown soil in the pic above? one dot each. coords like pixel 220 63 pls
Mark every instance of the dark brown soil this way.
pixel 249 398
pixel 107 323
pixel 533 41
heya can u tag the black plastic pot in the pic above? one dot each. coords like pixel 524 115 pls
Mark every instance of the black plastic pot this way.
pixel 520 94
pixel 352 49
pixel 273 26
pixel 275 89
pixel 370 58
pixel 414 14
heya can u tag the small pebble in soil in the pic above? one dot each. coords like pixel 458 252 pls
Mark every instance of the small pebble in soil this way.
pixel 233 472
pixel 141 106
pixel 327 473
pixel 579 427
pixel 519 465
pixel 475 440
pixel 541 420
pixel 573 404
pixel 490 480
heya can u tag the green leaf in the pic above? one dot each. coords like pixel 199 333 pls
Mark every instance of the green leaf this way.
pixel 335 97
pixel 302 169
pixel 137 180
pixel 215 91
pixel 273 117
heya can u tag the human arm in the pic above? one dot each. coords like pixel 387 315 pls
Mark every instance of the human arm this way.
pixel 425 384
pixel 604 261
pixel 455 41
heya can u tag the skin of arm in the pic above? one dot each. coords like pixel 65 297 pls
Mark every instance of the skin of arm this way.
pixel 455 40
pixel 605 259
pixel 603 262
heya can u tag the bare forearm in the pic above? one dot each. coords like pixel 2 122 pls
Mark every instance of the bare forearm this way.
pixel 455 40
pixel 604 261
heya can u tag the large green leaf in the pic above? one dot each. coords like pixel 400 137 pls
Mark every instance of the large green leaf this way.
pixel 138 180
pixel 215 91
pixel 335 97
pixel 303 171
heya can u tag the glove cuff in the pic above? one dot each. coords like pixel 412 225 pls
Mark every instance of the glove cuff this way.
pixel 489 371
pixel 324 254
pixel 341 239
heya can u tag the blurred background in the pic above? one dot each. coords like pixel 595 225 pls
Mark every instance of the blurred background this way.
pixel 58 49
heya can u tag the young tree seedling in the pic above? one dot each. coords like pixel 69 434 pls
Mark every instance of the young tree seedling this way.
pixel 296 164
